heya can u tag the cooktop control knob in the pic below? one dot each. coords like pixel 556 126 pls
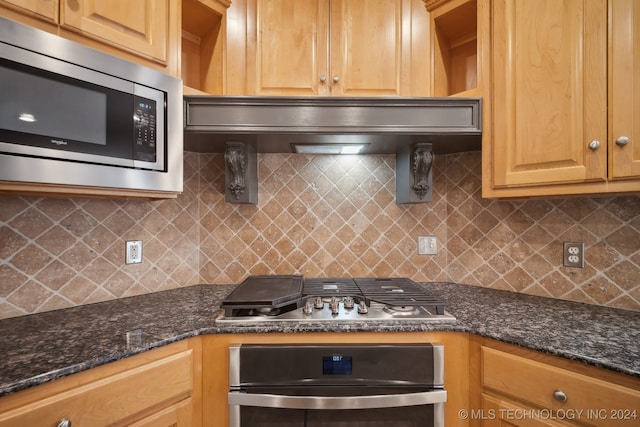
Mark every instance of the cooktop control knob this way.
pixel 334 304
pixel 319 304
pixel 362 308
pixel 348 303
pixel 308 307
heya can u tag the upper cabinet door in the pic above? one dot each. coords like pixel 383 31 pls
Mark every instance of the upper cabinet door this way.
pixel 624 89
pixel 46 10
pixel 549 92
pixel 291 46
pixel 140 26
pixel 329 48
pixel 367 57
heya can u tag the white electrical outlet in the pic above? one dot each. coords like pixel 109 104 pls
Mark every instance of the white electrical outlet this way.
pixel 574 255
pixel 427 245
pixel 133 252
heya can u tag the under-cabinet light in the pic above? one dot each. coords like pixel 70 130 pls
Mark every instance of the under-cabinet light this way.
pixel 329 148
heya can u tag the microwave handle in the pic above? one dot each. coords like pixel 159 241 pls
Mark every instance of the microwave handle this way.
pixel 341 402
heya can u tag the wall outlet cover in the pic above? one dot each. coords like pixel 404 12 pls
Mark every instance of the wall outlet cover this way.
pixel 573 254
pixel 133 253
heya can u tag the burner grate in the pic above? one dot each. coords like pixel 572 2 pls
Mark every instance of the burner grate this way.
pixel 399 292
pixel 330 287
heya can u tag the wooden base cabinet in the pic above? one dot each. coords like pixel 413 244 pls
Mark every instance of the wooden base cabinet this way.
pixel 524 388
pixel 557 109
pixel 328 48
pixel 156 388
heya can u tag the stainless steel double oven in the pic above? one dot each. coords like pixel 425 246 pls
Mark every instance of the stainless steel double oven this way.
pixel 364 385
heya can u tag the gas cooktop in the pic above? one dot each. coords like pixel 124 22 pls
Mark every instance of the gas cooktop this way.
pixel 294 298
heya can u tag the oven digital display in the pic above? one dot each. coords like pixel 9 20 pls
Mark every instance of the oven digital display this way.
pixel 336 365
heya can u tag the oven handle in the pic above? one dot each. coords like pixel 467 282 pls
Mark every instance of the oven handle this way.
pixel 340 402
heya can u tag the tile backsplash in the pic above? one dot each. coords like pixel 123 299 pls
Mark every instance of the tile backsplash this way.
pixel 321 216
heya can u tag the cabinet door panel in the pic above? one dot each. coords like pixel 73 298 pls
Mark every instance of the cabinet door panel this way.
pixel 140 26
pixel 110 400
pixel 291 50
pixel 549 91
pixel 366 46
pixel 43 9
pixel 624 88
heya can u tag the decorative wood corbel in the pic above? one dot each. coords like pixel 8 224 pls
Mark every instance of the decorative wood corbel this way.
pixel 414 166
pixel 422 163
pixel 241 177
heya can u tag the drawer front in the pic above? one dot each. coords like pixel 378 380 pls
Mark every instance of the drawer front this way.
pixel 112 399
pixel 588 400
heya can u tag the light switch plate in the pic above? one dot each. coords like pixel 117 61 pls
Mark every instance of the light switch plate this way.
pixel 427 245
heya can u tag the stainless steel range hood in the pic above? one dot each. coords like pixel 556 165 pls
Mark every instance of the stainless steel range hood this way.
pixel 385 125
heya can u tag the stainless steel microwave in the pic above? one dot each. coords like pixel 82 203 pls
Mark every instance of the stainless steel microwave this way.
pixel 71 115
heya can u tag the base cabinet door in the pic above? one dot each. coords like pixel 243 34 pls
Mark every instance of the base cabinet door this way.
pixel 156 392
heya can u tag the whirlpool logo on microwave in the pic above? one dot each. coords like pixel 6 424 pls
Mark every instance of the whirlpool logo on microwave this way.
pixel 59 142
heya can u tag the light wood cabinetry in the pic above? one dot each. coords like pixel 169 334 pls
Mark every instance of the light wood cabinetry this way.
pixel 145 31
pixel 141 26
pixel 328 47
pixel 524 388
pixel 45 10
pixel 203 45
pixel 552 128
pixel 457 54
pixel 156 388
pixel 624 89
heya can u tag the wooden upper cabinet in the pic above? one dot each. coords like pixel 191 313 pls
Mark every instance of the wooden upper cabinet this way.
pixel 141 26
pixel 564 96
pixel 46 10
pixel 624 89
pixel 366 48
pixel 549 91
pixel 332 47
pixel 291 46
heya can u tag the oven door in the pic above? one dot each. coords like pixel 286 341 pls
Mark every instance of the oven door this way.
pixel 337 407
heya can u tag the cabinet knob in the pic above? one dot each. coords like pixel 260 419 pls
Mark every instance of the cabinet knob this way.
pixel 594 145
pixel 64 423
pixel 336 79
pixel 323 78
pixel 560 396
pixel 622 141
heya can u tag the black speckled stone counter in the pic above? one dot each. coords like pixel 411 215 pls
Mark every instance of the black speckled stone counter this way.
pixel 38 348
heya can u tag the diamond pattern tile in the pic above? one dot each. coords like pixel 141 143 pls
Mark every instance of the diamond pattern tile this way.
pixel 318 216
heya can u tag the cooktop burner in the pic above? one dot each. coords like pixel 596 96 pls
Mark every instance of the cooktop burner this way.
pixel 293 298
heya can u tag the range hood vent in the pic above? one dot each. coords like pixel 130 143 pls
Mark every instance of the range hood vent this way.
pixel 381 125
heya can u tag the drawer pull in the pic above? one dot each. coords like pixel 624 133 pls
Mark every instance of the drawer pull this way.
pixel 560 396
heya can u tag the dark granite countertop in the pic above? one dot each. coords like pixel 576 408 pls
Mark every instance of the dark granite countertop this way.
pixel 41 347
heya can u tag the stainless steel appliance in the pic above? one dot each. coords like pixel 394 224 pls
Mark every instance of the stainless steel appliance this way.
pixel 72 115
pixel 395 385
pixel 294 298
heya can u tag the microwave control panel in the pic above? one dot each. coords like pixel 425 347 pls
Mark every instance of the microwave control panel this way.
pixel 145 129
